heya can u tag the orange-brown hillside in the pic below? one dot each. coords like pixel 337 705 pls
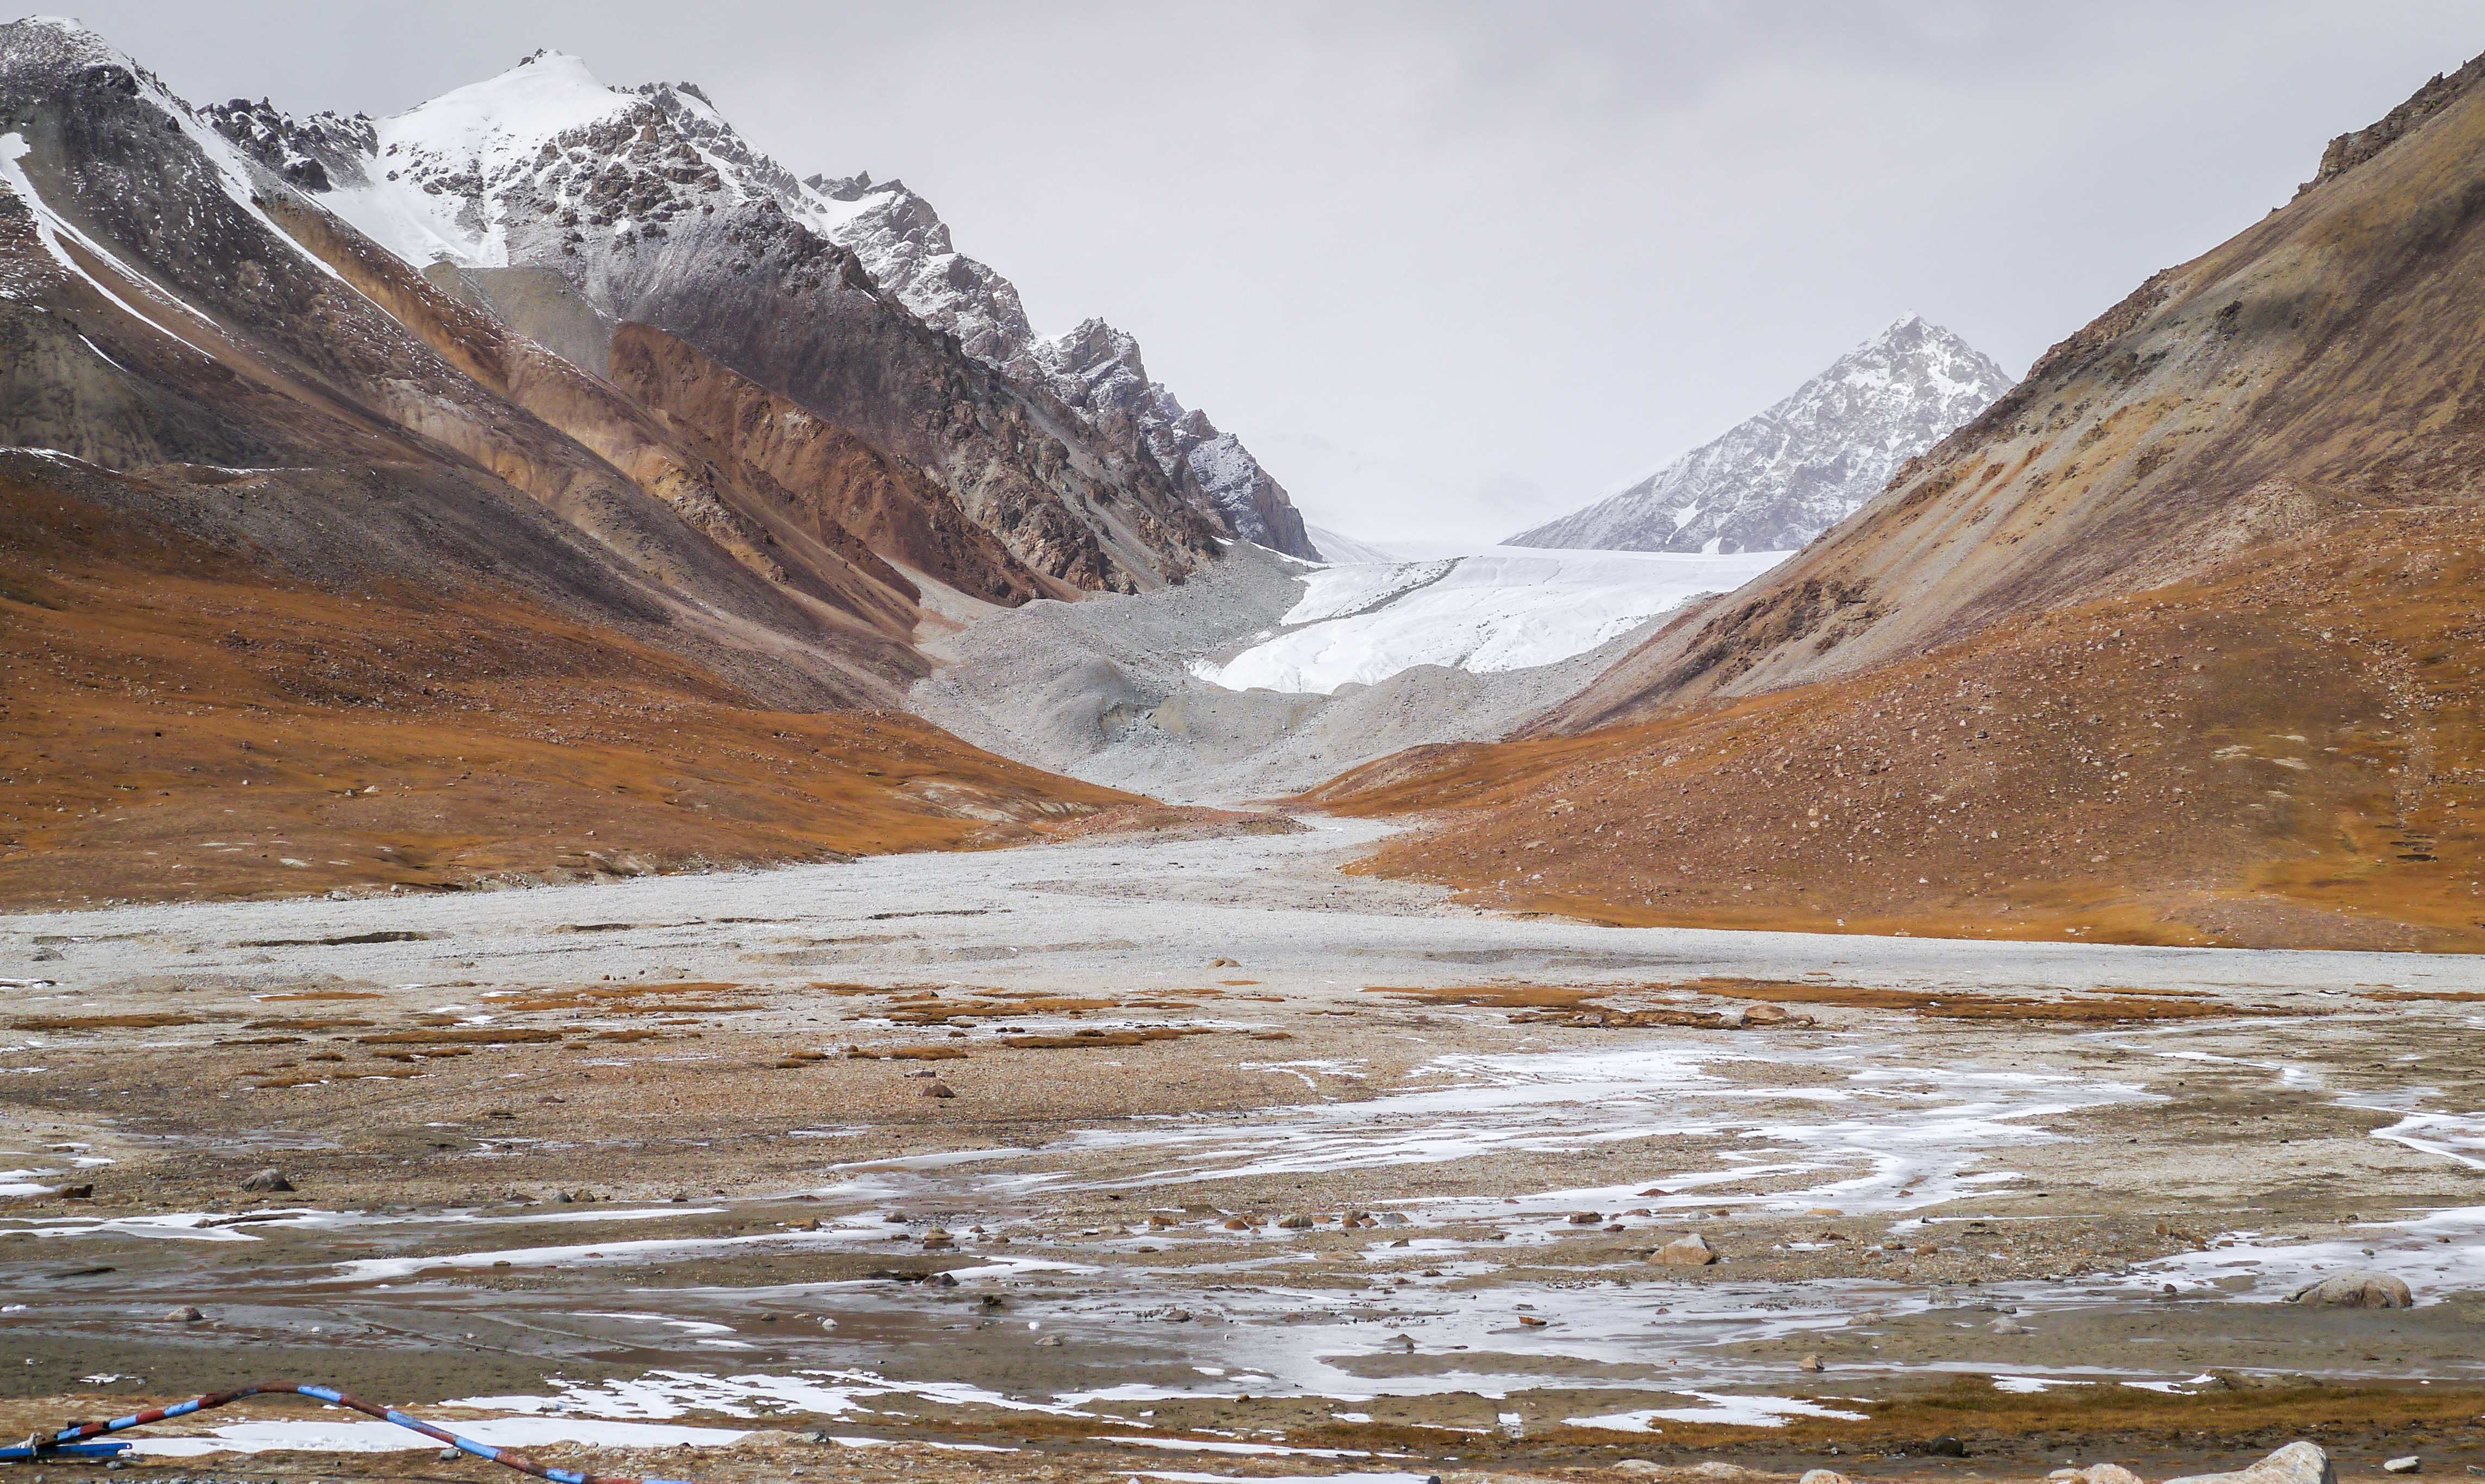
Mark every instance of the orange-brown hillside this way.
pixel 2176 643
pixel 2289 753
pixel 175 722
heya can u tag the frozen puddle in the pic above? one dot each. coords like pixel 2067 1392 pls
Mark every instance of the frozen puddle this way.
pixel 1723 1410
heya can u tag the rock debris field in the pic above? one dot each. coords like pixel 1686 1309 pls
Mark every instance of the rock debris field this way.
pixel 1194 1158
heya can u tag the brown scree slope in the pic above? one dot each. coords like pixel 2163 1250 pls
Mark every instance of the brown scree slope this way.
pixel 2175 643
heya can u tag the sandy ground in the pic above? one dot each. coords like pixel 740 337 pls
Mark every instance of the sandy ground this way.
pixel 1273 1169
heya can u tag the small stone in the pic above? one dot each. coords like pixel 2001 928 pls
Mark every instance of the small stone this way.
pixel 1297 1223
pixel 271 1178
pixel 1179 1317
pixel 942 1281
pixel 2408 1465
pixel 1822 1476
pixel 1396 1219
pixel 939 1090
pixel 2359 1290
pixel 2108 1473
pixel 1765 1015
pixel 1586 1218
pixel 1690 1249
pixel 1810 1363
pixel 1945 1447
pixel 1223 963
pixel 1236 1224
pixel 186 1314
pixel 936 1237
pixel 1531 1321
pixel 450 1455
pixel 2008 1326
pixel 1050 1339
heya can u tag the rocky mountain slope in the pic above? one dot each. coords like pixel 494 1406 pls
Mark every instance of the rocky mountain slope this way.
pixel 1775 481
pixel 1096 368
pixel 567 207
pixel 2174 642
pixel 422 535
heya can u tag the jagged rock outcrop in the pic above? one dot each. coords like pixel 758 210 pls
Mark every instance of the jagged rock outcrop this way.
pixel 1777 481
pixel 1094 368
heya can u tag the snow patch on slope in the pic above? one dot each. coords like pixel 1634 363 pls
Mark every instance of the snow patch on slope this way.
pixel 1504 610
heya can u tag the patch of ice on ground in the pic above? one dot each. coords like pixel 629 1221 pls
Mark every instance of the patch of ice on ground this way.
pixel 1727 1410
pixel 323 1436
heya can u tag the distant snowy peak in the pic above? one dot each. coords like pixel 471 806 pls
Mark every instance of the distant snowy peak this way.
pixel 1777 481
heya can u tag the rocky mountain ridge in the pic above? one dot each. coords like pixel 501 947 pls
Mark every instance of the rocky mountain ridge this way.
pixel 544 167
pixel 1783 476
pixel 1094 368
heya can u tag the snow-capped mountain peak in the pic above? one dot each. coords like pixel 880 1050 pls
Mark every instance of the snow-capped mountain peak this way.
pixel 545 162
pixel 1781 478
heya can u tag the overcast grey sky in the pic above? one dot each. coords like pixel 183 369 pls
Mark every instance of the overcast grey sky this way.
pixel 1451 268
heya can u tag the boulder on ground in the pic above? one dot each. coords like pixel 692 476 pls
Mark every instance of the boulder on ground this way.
pixel 1688 1250
pixel 271 1178
pixel 2362 1288
pixel 1822 1476
pixel 2108 1473
pixel 2297 1462
pixel 2408 1465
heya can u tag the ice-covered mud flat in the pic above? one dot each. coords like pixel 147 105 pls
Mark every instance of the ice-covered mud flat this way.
pixel 1242 1159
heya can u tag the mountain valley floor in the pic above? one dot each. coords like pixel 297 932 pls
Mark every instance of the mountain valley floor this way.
pixel 1191 1157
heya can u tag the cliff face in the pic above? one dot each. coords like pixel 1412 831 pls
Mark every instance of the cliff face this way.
pixel 2165 645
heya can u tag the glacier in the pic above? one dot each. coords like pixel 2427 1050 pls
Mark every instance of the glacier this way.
pixel 1502 609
